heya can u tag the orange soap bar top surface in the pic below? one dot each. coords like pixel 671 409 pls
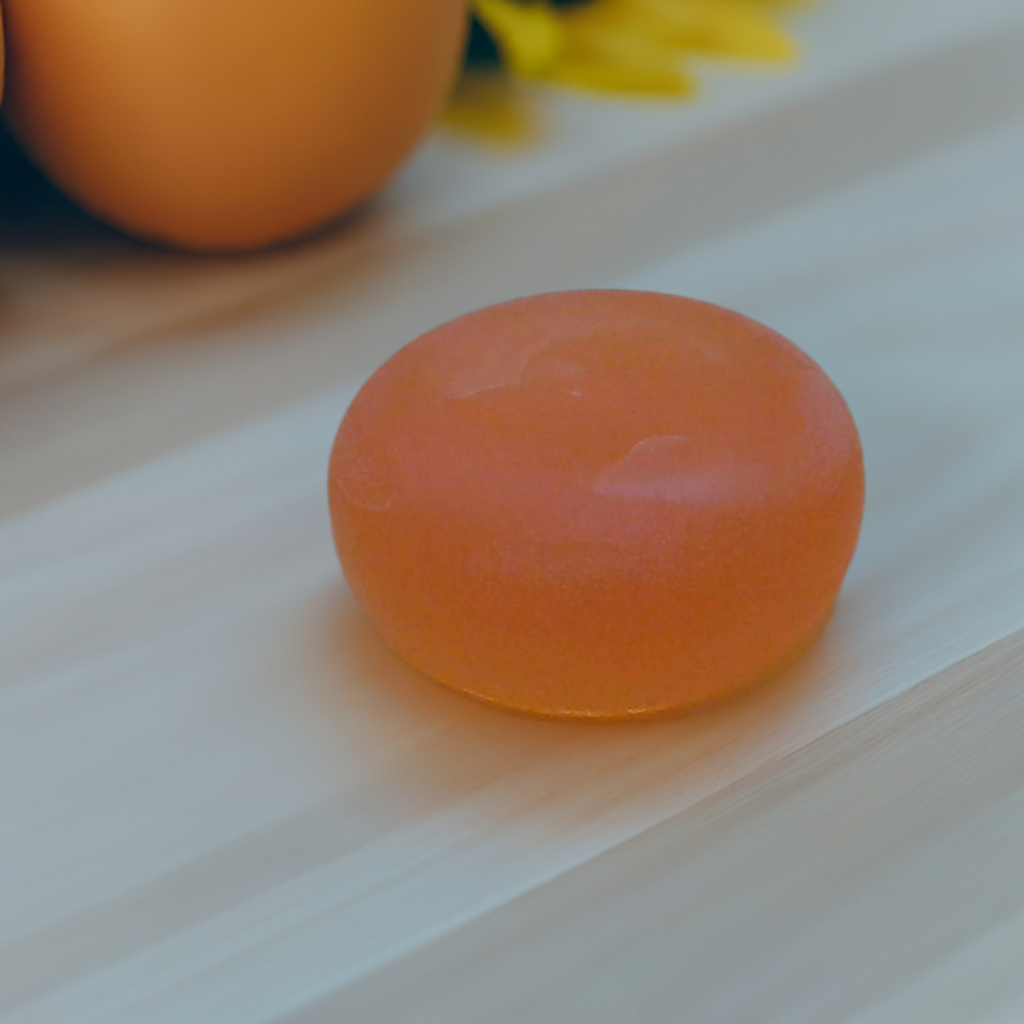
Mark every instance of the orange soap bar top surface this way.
pixel 598 504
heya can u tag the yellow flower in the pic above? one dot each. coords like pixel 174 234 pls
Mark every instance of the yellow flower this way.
pixel 632 46
pixel 488 108
pixel 629 47
pixel 528 33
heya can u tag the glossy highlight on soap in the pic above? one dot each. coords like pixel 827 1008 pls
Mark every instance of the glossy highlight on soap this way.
pixel 598 505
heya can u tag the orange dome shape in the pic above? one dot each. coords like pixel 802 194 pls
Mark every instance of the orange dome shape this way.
pixel 598 504
pixel 226 124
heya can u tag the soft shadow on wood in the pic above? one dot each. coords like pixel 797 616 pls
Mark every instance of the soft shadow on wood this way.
pixel 34 214
pixel 66 275
pixel 446 745
pixel 38 218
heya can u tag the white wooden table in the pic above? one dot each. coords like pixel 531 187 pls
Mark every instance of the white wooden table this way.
pixel 222 801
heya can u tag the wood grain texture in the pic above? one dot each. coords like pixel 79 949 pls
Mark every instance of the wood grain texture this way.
pixel 222 800
pixel 800 880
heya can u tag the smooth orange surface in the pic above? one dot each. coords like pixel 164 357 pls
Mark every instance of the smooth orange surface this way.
pixel 601 505
pixel 226 124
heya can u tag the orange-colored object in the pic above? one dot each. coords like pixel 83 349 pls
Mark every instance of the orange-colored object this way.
pixel 226 124
pixel 598 504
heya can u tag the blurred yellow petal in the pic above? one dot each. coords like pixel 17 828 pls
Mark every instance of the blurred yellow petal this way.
pixel 605 49
pixel 723 28
pixel 489 108
pixel 529 35
pixel 731 28
pixel 627 46
pixel 625 78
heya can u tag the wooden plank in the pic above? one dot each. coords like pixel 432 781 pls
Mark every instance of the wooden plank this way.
pixel 801 894
pixel 221 799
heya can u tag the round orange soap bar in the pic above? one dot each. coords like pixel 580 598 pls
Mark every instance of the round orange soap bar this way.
pixel 598 505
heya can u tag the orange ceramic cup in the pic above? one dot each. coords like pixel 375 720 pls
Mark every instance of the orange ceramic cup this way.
pixel 599 505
